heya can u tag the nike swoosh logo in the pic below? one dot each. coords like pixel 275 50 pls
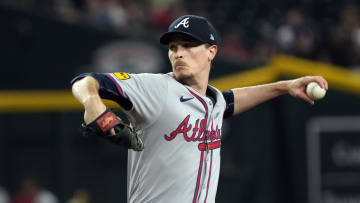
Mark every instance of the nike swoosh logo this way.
pixel 182 99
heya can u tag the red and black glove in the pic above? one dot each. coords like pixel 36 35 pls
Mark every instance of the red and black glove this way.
pixel 125 134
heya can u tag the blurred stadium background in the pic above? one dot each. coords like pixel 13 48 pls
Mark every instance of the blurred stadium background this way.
pixel 279 152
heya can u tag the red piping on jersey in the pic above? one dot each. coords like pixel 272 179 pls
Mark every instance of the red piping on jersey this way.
pixel 208 183
pixel 199 177
pixel 210 145
pixel 117 86
pixel 202 152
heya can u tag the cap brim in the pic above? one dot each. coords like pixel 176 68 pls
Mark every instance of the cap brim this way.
pixel 166 38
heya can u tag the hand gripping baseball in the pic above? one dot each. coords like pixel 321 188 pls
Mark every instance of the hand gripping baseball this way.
pixel 125 134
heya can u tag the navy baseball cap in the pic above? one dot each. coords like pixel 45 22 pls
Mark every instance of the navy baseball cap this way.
pixel 195 26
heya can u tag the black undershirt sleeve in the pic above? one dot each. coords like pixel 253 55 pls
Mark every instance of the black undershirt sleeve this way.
pixel 229 98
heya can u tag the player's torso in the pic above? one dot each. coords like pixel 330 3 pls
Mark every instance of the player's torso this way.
pixel 181 159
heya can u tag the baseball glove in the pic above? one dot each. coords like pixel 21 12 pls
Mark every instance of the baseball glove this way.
pixel 125 135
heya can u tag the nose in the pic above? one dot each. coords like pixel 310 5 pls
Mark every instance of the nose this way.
pixel 179 51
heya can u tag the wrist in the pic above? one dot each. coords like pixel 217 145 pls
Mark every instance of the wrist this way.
pixel 283 87
pixel 93 108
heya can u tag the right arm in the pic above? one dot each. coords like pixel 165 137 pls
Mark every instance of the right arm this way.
pixel 141 96
pixel 86 91
pixel 247 97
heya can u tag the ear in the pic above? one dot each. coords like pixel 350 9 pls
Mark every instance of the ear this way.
pixel 212 52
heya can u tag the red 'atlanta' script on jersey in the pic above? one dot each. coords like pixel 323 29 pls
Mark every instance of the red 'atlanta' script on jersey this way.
pixel 198 133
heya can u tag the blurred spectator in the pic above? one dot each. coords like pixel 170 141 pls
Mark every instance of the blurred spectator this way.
pixel 67 11
pixel 81 195
pixel 306 30
pixel 4 197
pixel 161 15
pixel 108 13
pixel 163 12
pixel 266 46
pixel 286 34
pixel 345 37
pixel 30 192
pixel 296 36
pixel 233 46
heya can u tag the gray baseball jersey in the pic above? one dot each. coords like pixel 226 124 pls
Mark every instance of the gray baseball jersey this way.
pixel 181 131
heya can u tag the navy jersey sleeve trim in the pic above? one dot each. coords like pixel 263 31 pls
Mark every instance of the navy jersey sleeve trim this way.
pixel 108 89
pixel 81 76
pixel 229 98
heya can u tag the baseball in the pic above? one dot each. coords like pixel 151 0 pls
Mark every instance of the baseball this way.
pixel 314 91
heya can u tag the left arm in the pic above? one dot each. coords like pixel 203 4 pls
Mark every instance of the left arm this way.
pixel 247 97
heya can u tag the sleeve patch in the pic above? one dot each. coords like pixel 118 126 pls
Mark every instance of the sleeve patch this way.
pixel 122 75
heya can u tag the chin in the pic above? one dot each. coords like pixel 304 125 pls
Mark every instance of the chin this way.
pixel 182 76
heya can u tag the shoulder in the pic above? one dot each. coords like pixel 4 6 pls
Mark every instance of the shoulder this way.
pixel 141 76
pixel 137 78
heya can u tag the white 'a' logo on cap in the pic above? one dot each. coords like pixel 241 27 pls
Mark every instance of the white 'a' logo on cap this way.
pixel 184 22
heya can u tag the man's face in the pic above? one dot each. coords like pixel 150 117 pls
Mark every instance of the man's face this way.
pixel 189 58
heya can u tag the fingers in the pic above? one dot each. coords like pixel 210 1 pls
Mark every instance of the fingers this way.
pixel 309 100
pixel 319 79
pixel 297 87
pixel 306 98
pixel 322 82
pixel 112 131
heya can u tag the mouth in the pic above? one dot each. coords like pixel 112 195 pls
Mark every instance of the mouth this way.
pixel 180 65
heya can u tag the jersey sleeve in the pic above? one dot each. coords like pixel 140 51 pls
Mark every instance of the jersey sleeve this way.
pixel 141 95
pixel 108 89
pixel 147 93
pixel 229 99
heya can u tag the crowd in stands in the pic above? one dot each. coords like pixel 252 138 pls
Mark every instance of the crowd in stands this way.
pixel 251 31
pixel 29 191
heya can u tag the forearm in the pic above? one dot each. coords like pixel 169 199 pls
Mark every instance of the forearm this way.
pixel 247 97
pixel 86 91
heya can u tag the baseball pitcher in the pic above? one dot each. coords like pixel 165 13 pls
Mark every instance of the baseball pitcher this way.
pixel 174 134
